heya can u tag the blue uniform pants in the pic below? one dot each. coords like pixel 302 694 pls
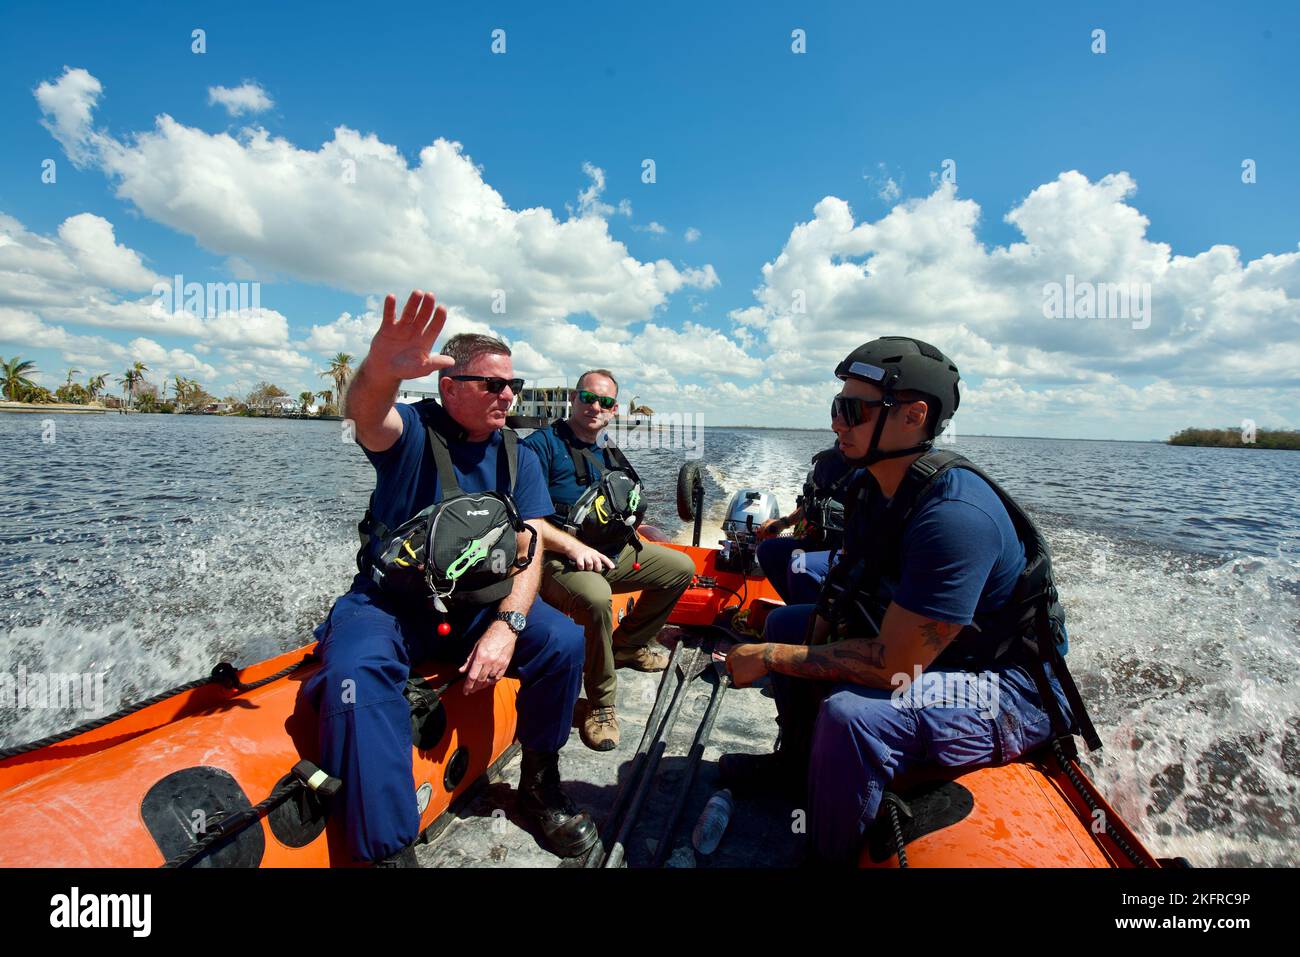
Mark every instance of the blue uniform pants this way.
pixel 367 647
pixel 797 582
pixel 866 739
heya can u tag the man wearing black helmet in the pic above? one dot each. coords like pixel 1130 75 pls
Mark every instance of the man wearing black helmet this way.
pixel 943 579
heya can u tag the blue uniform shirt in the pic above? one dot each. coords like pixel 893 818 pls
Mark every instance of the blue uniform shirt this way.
pixel 557 465
pixel 406 479
pixel 961 555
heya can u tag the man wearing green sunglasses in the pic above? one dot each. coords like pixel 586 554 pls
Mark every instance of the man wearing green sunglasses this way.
pixel 581 585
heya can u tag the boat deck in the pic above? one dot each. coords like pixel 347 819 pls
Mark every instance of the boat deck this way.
pixel 486 831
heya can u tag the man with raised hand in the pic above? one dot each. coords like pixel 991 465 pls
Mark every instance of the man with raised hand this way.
pixel 372 637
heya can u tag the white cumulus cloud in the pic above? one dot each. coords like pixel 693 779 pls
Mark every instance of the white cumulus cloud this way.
pixel 355 214
pixel 248 97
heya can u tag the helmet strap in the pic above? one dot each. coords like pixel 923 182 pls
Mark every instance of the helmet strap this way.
pixel 874 453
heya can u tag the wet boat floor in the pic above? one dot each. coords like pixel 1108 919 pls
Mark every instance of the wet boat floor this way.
pixel 487 831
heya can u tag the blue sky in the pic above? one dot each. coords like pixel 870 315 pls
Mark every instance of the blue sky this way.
pixel 747 137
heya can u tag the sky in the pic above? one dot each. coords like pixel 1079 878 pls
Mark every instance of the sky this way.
pixel 717 201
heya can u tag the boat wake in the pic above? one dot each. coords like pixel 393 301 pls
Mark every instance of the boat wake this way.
pixel 150 609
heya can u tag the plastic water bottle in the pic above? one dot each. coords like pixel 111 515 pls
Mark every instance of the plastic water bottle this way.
pixel 713 822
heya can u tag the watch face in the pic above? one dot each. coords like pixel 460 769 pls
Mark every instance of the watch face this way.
pixel 515 619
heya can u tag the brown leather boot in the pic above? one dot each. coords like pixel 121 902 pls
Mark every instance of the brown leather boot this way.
pixel 641 658
pixel 599 728
pixel 565 830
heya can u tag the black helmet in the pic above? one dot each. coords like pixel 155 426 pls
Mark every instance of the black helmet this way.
pixel 898 364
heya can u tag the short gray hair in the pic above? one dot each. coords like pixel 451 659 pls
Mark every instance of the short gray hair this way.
pixel 468 346
pixel 605 372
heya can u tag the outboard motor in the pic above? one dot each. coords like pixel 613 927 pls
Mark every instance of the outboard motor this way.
pixel 748 509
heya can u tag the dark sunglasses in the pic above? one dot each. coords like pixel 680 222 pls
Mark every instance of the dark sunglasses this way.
pixel 606 401
pixel 493 384
pixel 854 410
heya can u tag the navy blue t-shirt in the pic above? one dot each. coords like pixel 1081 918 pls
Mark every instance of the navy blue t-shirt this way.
pixel 960 552
pixel 406 476
pixel 557 465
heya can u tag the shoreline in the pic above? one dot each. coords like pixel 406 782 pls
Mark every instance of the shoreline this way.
pixel 1285 440
pixel 68 408
pixel 28 408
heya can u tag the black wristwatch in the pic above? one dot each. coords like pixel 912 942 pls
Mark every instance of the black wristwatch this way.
pixel 516 621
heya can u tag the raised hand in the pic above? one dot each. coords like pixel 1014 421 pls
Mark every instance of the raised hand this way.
pixel 402 348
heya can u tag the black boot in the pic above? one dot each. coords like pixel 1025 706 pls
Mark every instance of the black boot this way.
pixel 566 831
pixel 783 773
pixel 403 858
pixel 758 775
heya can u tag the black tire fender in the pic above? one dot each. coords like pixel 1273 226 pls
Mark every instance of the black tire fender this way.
pixel 688 484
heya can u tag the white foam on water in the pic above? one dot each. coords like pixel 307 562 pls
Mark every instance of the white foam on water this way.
pixel 763 461
pixel 152 614
pixel 1189 668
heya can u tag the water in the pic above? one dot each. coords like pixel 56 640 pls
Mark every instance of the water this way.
pixel 147 548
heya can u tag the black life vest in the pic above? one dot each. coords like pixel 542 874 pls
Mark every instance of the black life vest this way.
pixel 461 549
pixel 1028 630
pixel 612 504
pixel 822 506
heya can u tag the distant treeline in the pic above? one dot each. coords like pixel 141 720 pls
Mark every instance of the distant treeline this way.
pixel 1233 439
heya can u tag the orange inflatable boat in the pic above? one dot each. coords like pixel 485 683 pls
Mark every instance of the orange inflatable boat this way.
pixel 1030 813
pixel 232 758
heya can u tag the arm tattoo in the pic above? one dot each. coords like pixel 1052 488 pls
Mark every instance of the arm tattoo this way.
pixel 842 662
pixel 937 633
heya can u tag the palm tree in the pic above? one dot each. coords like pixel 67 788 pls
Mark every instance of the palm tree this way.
pixel 305 398
pixel 13 378
pixel 71 373
pixel 340 371
pixel 326 397
pixel 183 388
pixel 127 382
pixel 132 379
pixel 95 385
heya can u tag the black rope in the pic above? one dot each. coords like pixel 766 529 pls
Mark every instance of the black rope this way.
pixel 223 674
pixel 896 823
pixel 230 826
pixel 1072 773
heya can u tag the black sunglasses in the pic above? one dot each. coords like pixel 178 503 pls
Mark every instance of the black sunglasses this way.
pixel 854 410
pixel 492 383
pixel 606 401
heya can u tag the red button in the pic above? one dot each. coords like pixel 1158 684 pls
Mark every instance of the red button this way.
pixel 444 628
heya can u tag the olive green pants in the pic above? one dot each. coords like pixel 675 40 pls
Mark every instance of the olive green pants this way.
pixel 585 597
